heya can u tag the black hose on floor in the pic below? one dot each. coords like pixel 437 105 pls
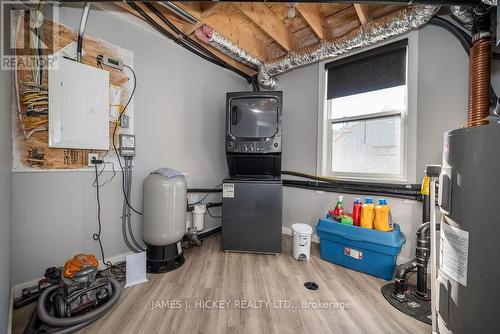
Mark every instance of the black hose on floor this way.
pixel 72 324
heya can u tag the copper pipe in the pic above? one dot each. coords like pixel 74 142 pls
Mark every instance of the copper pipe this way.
pixel 479 82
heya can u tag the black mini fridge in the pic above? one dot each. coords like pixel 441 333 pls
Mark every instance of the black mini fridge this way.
pixel 252 215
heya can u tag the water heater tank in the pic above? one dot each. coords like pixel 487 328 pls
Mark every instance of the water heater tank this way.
pixel 468 270
pixel 164 220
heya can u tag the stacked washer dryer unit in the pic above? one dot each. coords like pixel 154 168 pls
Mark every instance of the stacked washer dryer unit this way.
pixel 465 249
pixel 252 195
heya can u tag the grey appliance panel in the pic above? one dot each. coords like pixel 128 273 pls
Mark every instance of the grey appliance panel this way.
pixel 474 157
pixel 254 117
pixel 254 122
pixel 252 219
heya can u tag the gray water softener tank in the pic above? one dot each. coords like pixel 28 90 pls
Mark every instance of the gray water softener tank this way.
pixel 164 221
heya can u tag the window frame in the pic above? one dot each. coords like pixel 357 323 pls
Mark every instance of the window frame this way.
pixel 408 120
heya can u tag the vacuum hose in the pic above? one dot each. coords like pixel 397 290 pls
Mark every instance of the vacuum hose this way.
pixel 70 325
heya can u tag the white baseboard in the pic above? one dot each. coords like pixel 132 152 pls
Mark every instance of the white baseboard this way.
pixel 288 231
pixel 17 290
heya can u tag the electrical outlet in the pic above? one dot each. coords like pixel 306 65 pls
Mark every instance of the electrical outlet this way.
pixel 92 156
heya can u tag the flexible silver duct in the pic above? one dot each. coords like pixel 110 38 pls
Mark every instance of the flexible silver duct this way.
pixel 464 14
pixel 490 2
pixel 212 37
pixel 391 25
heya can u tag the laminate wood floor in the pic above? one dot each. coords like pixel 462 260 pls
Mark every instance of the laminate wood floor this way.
pixel 185 299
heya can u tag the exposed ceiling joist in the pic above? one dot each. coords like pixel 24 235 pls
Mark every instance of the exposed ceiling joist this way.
pixel 363 13
pixel 265 19
pixel 239 35
pixel 216 52
pixel 313 16
pixel 208 8
pixel 193 27
pixel 263 30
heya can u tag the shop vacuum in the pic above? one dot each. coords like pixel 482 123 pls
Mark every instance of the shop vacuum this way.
pixel 78 296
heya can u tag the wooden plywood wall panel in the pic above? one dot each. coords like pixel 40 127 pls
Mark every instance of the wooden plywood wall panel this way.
pixel 33 153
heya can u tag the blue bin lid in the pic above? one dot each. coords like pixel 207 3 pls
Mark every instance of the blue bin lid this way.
pixel 394 238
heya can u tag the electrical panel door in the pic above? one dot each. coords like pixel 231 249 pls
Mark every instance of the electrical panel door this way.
pixel 78 106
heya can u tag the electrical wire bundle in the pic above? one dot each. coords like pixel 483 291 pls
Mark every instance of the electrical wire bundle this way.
pixel 34 95
pixel 35 99
pixel 115 148
pixel 126 168
pixel 115 270
pixel 182 40
pixel 35 102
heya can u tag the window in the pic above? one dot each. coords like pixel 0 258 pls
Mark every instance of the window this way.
pixel 366 107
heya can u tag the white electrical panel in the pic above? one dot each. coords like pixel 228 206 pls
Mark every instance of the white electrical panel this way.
pixel 78 105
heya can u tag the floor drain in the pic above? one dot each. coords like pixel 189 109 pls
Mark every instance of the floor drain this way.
pixel 311 285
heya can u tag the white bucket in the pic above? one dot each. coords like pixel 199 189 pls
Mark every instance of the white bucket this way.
pixel 302 241
pixel 199 216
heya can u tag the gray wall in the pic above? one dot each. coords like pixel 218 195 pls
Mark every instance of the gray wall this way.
pixel 442 93
pixel 179 122
pixel 441 106
pixel 5 196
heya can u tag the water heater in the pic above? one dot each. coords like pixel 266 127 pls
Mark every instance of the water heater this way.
pixel 164 220
pixel 467 267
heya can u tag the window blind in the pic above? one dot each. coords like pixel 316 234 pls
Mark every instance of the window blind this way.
pixel 375 69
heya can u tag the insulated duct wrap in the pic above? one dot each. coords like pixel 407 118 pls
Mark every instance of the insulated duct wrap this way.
pixel 490 2
pixel 391 25
pixel 212 37
pixel 465 14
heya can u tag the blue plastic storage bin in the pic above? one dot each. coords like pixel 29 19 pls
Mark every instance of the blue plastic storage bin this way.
pixel 369 251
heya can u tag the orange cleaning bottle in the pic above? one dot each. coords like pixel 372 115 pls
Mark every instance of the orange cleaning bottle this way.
pixel 367 213
pixel 382 220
